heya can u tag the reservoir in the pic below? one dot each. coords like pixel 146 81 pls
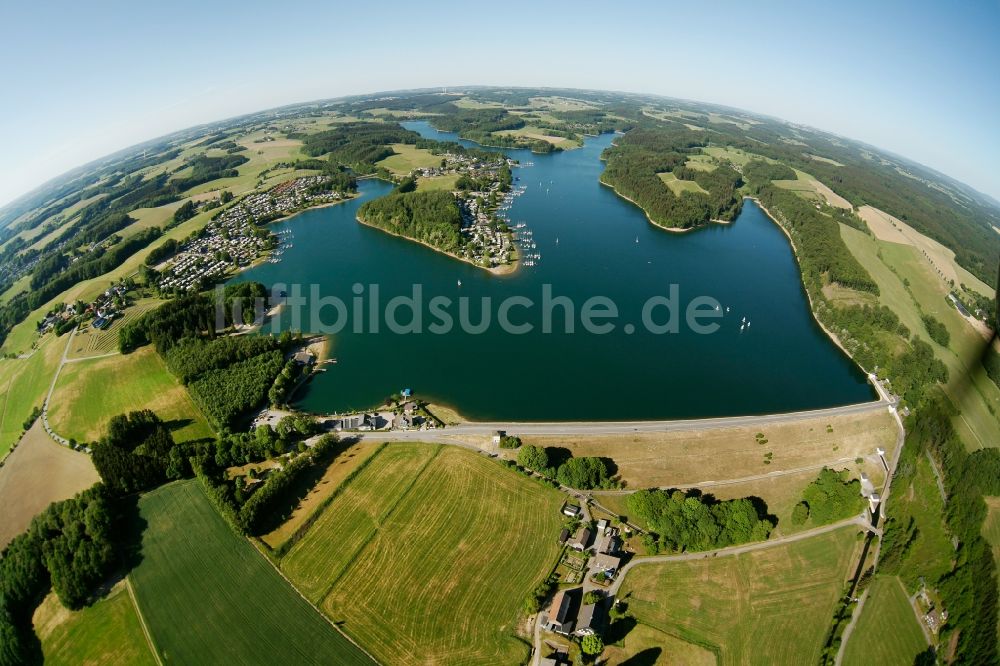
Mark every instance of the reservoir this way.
pixel 592 244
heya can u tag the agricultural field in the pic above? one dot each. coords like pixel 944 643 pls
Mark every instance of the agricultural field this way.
pixel 89 341
pixel 538 134
pixel 408 158
pixel 436 550
pixel 23 385
pixel 147 218
pixel 763 607
pixel 346 461
pixel 810 188
pixel 353 518
pixel 246 612
pixel 679 187
pixel 893 230
pixel 890 264
pixel 700 163
pixel 669 459
pixel 91 391
pixel 37 473
pixel 887 632
pixel 446 183
pixel 106 632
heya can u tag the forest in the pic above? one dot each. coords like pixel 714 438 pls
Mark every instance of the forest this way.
pixel 633 165
pixel 431 217
pixel 357 145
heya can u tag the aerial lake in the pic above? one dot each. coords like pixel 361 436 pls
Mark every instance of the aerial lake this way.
pixel 592 243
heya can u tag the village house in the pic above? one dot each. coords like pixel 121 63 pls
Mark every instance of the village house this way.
pixel 606 564
pixel 588 620
pixel 559 619
pixel 581 540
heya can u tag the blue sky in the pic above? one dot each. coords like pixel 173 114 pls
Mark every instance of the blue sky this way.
pixel 80 80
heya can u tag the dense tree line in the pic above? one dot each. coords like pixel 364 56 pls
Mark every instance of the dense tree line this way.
pixel 226 394
pixel 969 590
pixel 937 331
pixel 99 264
pixel 184 317
pixel 431 217
pixel 252 515
pixel 582 473
pixel 205 169
pixel 163 251
pixel 831 497
pixel 820 248
pixel 762 172
pixel 357 144
pixel 192 357
pixel 680 521
pixel 632 169
pixel 192 316
pixel 137 453
pixel 69 547
pixel 477 122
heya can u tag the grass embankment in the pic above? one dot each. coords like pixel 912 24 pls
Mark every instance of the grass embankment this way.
pixel 770 606
pixel 887 632
pixel 646 460
pixel 90 392
pixel 209 597
pixel 427 555
pixel 107 632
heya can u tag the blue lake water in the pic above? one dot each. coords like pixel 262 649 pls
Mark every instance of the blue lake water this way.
pixel 593 243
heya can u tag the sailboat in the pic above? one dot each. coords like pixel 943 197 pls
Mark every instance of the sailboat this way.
pixel 459 283
pixel 748 324
pixel 727 308
pixel 557 240
pixel 636 239
pixel 741 327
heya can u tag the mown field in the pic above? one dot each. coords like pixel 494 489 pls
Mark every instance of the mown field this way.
pixel 37 473
pixel 90 392
pixel 92 342
pixel 645 646
pixel 107 632
pixel 408 158
pixel 646 460
pixel 887 632
pixel 209 597
pixel 428 554
pixel 678 187
pixel 345 462
pixel 908 286
pixel 23 385
pixel 770 606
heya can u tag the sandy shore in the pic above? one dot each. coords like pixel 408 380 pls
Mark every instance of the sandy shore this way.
pixel 506 269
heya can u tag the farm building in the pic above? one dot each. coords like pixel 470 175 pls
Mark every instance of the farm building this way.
pixel 581 539
pixel 559 619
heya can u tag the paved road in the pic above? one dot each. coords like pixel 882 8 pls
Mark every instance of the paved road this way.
pixel 522 428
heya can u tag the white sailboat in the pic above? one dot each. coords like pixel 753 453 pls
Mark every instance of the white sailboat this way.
pixel 459 283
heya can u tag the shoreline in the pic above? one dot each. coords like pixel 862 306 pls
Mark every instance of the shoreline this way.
pixel 500 271
pixel 674 230
pixel 812 308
